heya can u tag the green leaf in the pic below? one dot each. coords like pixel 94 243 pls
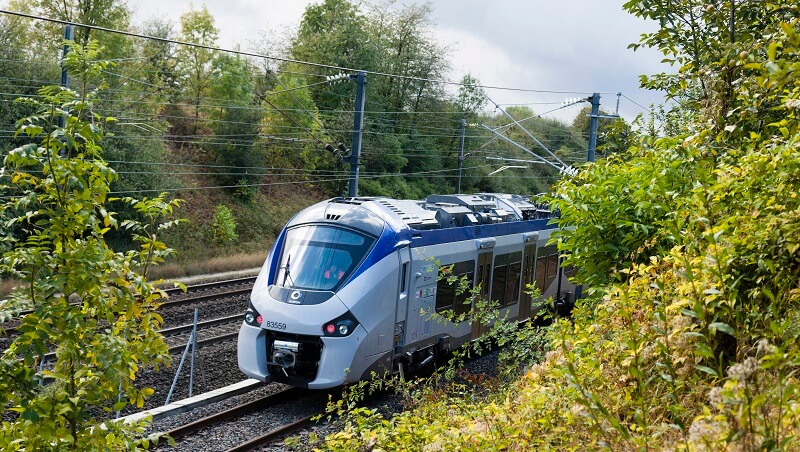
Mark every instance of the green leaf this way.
pixel 720 326
pixel 704 350
pixel 708 370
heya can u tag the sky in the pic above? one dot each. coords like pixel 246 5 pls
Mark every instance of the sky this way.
pixel 561 49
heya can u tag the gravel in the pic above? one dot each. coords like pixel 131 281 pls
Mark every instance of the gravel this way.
pixel 228 435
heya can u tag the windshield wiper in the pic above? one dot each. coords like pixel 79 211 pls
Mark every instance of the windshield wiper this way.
pixel 286 270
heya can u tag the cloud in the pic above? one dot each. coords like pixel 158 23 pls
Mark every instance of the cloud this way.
pixel 569 45
pixel 576 45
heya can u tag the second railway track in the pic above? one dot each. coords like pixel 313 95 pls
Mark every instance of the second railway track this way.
pixel 177 309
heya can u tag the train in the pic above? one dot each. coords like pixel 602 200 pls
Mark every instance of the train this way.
pixel 350 285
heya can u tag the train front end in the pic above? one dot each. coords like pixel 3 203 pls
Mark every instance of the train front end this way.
pixel 301 327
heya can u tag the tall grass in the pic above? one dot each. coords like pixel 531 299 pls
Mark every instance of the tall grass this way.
pixel 220 264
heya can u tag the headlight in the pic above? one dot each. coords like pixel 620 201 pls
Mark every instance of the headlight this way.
pixel 341 326
pixel 252 318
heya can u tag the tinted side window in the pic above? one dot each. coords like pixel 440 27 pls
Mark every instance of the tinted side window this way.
pixel 506 282
pixel 512 283
pixel 546 266
pixel 447 296
pixel 499 282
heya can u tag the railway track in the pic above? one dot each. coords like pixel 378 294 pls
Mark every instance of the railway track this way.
pixel 198 293
pixel 182 332
pixel 275 434
pixel 195 295
pixel 230 417
pixel 214 331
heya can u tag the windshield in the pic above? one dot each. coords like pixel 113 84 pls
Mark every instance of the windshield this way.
pixel 320 257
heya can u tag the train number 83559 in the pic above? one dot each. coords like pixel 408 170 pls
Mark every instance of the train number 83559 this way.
pixel 274 325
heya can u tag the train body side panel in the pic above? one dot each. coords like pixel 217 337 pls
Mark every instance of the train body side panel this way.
pixel 422 298
pixel 371 297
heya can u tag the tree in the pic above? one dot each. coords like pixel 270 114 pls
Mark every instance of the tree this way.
pixel 620 217
pixel 333 33
pixel 291 113
pixel 160 70
pixel 232 83
pixel 196 63
pixel 22 70
pixel 408 49
pixel 471 97
pixel 236 123
pixel 613 135
pixel 223 226
pixel 707 42
pixel 112 14
pixel 56 188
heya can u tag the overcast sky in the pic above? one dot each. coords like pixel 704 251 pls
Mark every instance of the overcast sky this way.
pixel 575 46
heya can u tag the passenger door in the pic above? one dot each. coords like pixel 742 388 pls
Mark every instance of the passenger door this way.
pixel 401 310
pixel 528 265
pixel 483 276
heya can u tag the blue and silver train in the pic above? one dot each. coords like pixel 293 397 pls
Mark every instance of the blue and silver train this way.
pixel 350 285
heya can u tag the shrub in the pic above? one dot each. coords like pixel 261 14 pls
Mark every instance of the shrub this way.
pixel 223 226
pixel 61 185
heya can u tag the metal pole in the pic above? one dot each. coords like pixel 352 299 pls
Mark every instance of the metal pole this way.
pixel 41 368
pixel 119 390
pixel 462 130
pixel 593 125
pixel 192 342
pixel 69 35
pixel 358 130
pixel 178 373
pixel 194 350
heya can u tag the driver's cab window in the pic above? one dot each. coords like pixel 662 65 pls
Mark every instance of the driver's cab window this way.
pixel 320 257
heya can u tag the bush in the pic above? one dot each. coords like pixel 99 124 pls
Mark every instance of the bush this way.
pixel 223 225
pixel 62 209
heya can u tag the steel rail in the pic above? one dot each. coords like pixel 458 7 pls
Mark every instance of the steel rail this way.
pixel 235 412
pixel 208 341
pixel 11 330
pixel 190 290
pixel 274 434
pixel 50 356
pixel 205 297
pixel 183 329
pixel 210 285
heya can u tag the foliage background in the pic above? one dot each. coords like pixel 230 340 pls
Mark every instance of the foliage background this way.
pixel 250 133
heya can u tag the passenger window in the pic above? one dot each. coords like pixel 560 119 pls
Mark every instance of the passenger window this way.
pixel 447 296
pixel 512 283
pixel 461 298
pixel 403 278
pixel 499 283
pixel 546 266
pixel 507 273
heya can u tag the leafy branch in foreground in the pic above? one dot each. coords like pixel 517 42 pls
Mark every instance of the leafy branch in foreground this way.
pixel 89 303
